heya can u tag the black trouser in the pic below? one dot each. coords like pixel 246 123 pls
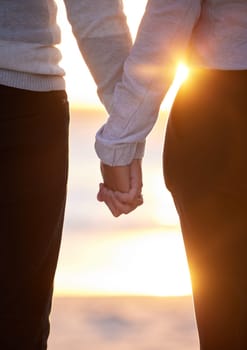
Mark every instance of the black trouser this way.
pixel 205 168
pixel 33 177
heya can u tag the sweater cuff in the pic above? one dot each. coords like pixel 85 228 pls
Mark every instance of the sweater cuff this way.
pixel 119 155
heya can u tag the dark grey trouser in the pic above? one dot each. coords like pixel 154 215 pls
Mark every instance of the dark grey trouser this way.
pixel 33 178
pixel 205 168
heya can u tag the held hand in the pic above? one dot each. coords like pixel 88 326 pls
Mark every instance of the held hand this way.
pixel 122 187
pixel 116 178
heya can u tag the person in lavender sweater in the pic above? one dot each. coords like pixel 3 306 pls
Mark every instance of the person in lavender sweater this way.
pixel 205 157
pixel 34 147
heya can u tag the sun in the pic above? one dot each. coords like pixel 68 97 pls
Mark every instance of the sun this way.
pixel 182 73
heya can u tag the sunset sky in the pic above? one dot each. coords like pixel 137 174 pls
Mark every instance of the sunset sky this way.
pixel 113 268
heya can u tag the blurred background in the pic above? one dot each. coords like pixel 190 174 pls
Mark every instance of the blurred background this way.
pixel 120 283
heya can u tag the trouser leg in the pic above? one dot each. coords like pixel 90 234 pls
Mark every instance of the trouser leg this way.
pixel 33 177
pixel 205 168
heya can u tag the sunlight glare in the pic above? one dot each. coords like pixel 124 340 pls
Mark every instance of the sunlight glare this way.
pixel 182 73
pixel 152 263
pixel 163 212
pixel 134 11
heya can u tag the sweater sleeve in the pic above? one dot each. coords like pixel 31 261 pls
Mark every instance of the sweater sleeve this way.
pixel 104 40
pixel 163 35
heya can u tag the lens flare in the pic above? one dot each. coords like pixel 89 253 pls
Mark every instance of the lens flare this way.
pixel 181 75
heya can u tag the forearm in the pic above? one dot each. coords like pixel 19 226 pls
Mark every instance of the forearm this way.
pixel 163 35
pixel 104 40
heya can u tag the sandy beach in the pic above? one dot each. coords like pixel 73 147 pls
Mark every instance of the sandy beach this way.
pixel 123 323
